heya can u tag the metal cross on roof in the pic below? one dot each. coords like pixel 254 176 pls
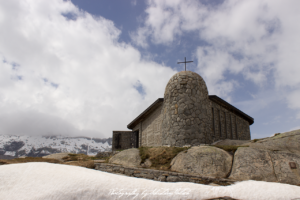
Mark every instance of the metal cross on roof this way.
pixel 184 63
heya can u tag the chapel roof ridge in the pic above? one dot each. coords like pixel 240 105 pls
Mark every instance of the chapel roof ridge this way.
pixel 214 98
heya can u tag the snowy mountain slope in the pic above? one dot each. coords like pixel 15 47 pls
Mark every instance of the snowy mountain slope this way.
pixel 36 146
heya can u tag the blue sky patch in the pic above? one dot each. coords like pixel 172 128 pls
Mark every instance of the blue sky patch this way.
pixel 70 16
pixel 139 87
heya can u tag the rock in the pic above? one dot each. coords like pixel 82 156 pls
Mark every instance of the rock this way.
pixel 129 158
pixel 203 160
pixel 57 156
pixel 172 179
pixel 265 165
pixel 147 163
pixel 162 178
pixel 288 141
pixel 229 142
pixel 252 164
pixel 283 171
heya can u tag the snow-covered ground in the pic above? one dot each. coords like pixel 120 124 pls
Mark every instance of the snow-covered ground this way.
pixel 61 143
pixel 54 181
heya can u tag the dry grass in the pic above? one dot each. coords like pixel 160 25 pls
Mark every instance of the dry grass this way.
pixel 107 158
pixel 72 159
pixel 160 157
pixel 29 159
pixel 88 164
pixel 76 157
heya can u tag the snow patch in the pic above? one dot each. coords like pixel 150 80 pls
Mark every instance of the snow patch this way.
pixel 10 153
pixel 56 181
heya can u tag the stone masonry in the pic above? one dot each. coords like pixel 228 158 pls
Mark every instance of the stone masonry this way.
pixel 186 111
pixel 160 175
pixel 187 115
pixel 151 129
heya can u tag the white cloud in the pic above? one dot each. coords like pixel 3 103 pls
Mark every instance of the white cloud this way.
pixel 213 69
pixel 72 75
pixel 166 19
pixel 293 100
pixel 140 37
pixel 74 72
pixel 257 40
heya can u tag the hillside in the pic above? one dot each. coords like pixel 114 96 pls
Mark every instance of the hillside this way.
pixel 12 146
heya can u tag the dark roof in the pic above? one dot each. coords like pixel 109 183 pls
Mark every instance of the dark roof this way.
pixel 146 112
pixel 213 98
pixel 230 107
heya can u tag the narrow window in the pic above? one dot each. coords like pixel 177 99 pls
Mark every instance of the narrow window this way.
pixel 236 131
pixel 226 136
pixel 220 128
pixel 213 120
pixel 231 136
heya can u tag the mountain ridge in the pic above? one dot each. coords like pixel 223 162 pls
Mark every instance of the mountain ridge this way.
pixel 14 146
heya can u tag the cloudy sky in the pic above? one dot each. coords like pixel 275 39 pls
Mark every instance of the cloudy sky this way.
pixel 90 67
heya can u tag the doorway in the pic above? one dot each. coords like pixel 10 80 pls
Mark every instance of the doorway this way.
pixel 135 139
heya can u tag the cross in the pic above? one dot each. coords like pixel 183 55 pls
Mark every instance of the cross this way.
pixel 184 63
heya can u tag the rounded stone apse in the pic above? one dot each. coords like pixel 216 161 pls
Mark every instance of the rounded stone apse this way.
pixel 186 111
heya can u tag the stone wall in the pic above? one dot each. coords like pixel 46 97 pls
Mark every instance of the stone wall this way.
pixel 186 111
pixel 159 175
pixel 121 140
pixel 228 125
pixel 151 129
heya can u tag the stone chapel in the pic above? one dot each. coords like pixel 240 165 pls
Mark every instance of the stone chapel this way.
pixel 186 115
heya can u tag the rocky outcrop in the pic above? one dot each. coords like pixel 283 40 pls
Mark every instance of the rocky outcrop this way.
pixel 283 163
pixel 228 142
pixel 57 156
pixel 129 157
pixel 274 159
pixel 252 164
pixel 266 165
pixel 203 160
pixel 288 142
